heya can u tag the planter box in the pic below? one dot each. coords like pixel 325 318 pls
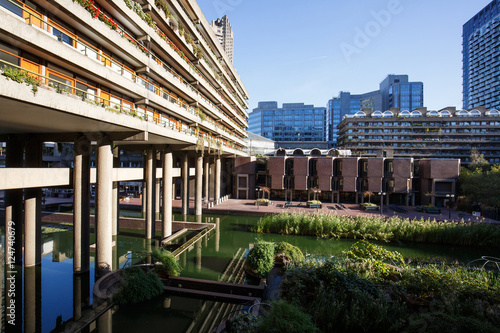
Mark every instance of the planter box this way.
pixel 261 203
pixel 314 205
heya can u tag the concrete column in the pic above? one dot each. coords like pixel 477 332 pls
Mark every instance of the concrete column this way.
pixel 115 208
pixel 104 322
pixel 198 200
pixel 32 207
pixel 150 193
pixel 198 255
pixel 81 205
pixel 206 192
pixel 104 200
pixel 167 194
pixel 157 198
pixel 144 194
pixel 32 300
pixel 81 294
pixel 14 205
pixel 217 178
pixel 185 184
pixel 115 213
pixel 217 234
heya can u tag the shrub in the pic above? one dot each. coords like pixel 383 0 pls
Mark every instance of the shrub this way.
pixel 168 264
pixel 284 317
pixel 260 259
pixel 291 251
pixel 138 286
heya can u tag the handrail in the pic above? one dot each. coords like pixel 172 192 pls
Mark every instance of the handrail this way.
pixel 132 108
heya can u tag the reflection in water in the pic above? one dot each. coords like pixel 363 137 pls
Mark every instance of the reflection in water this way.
pixel 53 294
pixel 32 299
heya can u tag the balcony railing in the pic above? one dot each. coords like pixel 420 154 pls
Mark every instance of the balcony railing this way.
pixel 32 17
pixel 64 84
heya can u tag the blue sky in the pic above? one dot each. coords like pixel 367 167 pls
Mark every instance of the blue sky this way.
pixel 298 51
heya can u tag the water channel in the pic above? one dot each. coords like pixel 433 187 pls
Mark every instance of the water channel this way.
pixel 56 288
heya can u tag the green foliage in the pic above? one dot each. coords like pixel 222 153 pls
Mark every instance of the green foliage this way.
pixel 477 161
pixel 340 300
pixel 138 286
pixel 481 185
pixel 198 52
pixel 379 260
pixel 261 258
pixel 314 202
pixel 20 76
pixel 291 251
pixel 285 317
pixel 242 323
pixel 381 229
pixel 167 265
pixel 438 322
pixel 341 297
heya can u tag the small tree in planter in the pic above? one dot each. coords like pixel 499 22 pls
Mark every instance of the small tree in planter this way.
pixel 368 194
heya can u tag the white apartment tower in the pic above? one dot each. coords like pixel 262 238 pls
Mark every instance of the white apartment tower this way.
pixel 224 32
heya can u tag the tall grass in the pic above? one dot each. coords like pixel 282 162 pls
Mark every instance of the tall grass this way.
pixel 381 229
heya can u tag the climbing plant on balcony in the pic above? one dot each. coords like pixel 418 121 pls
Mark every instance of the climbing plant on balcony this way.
pixel 20 76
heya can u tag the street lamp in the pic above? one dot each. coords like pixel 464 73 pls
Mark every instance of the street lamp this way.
pixel 382 194
pixel 258 190
pixel 450 198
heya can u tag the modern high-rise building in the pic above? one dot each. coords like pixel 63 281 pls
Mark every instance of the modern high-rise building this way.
pixel 481 52
pixel 394 91
pixel 291 126
pixel 224 33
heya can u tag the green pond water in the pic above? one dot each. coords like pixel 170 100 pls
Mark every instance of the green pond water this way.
pixel 57 288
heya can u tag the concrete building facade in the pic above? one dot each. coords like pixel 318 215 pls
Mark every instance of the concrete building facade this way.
pixel 335 178
pixel 224 33
pixel 111 76
pixel 447 133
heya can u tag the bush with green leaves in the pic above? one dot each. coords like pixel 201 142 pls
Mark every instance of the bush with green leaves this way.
pixel 138 286
pixel 166 264
pixel 375 258
pixel 260 259
pixel 291 251
pixel 285 317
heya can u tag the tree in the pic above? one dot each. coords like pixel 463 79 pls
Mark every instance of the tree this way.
pixel 368 194
pixel 477 161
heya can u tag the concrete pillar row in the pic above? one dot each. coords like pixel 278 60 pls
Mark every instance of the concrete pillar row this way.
pixel 150 193
pixel 81 204
pixel 185 184
pixel 104 200
pixel 198 200
pixel 14 205
pixel 167 194
pixel 32 207
pixel 217 178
